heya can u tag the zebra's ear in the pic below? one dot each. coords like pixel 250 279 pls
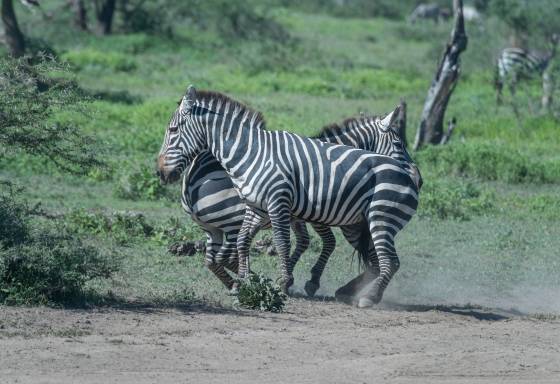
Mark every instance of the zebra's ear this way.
pixel 188 100
pixel 388 121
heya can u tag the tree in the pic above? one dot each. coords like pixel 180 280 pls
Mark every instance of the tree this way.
pixel 104 11
pixel 29 102
pixel 80 14
pixel 14 37
pixel 430 130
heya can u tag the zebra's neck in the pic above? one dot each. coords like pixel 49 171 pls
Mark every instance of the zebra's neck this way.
pixel 236 137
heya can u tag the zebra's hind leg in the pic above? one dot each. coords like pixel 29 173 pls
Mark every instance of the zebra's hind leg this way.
pixel 382 233
pixel 213 246
pixel 329 243
pixel 227 255
pixel 360 238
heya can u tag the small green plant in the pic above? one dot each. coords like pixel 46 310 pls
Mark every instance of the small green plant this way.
pixel 260 293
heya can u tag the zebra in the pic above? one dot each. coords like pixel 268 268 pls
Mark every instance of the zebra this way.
pixel 282 174
pixel 517 64
pixel 429 11
pixel 209 197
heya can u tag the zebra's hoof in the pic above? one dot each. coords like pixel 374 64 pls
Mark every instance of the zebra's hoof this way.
pixel 366 302
pixel 344 296
pixel 234 290
pixel 285 285
pixel 310 288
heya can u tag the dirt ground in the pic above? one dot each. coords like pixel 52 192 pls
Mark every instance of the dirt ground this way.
pixel 312 342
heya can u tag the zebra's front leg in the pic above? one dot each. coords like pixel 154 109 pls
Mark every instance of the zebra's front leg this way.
pixel 280 218
pixel 251 225
pixel 213 246
pixel 329 243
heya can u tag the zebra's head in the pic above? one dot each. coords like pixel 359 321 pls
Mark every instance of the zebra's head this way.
pixel 183 140
pixel 389 141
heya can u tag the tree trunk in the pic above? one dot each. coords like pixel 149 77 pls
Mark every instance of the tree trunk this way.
pixel 104 13
pixel 14 37
pixel 430 130
pixel 80 14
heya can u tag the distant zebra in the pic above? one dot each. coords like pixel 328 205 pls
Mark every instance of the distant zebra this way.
pixel 429 11
pixel 283 175
pixel 209 197
pixel 518 64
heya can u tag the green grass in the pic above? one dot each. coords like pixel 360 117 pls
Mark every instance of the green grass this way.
pixel 485 229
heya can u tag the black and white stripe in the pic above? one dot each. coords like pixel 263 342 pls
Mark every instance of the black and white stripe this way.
pixel 284 175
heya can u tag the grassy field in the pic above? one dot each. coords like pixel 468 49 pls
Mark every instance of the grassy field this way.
pixel 487 229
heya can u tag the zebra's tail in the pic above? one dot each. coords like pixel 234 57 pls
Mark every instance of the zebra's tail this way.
pixel 363 245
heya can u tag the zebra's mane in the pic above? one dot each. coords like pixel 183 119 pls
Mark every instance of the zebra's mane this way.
pixel 207 96
pixel 348 124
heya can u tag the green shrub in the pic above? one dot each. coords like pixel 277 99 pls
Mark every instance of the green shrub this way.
pixel 13 220
pixel 92 58
pixel 175 230
pixel 488 162
pixel 260 293
pixel 444 199
pixel 52 266
pixel 124 227
pixel 142 184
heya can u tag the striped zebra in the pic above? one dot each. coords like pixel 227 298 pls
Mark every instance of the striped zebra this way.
pixel 518 64
pixel 208 195
pixel 284 175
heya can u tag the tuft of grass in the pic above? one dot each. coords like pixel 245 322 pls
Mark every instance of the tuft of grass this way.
pixel 260 293
pixel 87 58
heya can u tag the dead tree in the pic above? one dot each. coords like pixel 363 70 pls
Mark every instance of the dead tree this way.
pixel 104 11
pixel 80 14
pixel 13 35
pixel 430 130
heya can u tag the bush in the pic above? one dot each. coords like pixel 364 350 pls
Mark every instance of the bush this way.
pixel 260 293
pixel 174 230
pixel 142 184
pixel 50 267
pixel 488 162
pixel 453 200
pixel 122 226
pixel 13 221
pixel 92 58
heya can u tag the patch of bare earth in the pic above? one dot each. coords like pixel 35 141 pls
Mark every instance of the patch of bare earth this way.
pixel 313 342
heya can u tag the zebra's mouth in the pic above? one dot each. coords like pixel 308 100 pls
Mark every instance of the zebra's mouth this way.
pixel 168 177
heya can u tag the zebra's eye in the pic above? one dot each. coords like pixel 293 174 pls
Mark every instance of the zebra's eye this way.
pixel 173 128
